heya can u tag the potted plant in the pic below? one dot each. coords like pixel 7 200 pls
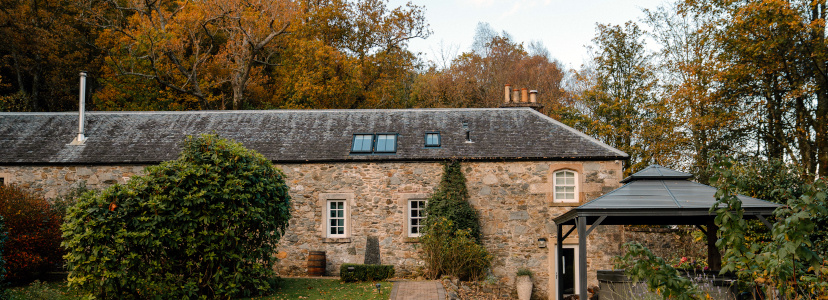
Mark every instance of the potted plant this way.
pixel 523 283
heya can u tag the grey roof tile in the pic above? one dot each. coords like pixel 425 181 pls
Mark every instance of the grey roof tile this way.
pixel 295 135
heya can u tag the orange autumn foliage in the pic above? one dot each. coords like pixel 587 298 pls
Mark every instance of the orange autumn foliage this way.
pixel 34 236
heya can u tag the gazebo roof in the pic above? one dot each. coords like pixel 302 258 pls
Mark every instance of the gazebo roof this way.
pixel 659 196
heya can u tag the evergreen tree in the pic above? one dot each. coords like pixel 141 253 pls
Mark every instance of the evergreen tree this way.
pixel 451 201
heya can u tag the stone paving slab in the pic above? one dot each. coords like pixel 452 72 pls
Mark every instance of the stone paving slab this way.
pixel 418 290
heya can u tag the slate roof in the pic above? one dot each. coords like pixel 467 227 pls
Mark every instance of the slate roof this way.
pixel 658 195
pixel 296 135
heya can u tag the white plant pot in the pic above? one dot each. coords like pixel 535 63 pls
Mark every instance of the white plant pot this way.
pixel 524 287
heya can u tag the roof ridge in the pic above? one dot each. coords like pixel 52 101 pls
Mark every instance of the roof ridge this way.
pixel 274 111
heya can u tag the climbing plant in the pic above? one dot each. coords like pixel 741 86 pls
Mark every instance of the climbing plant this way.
pixel 451 201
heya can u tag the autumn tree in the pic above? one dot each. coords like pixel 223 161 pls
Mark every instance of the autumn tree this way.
pixel 197 49
pixel 350 54
pixel 476 78
pixel 43 50
pixel 688 64
pixel 617 101
pixel 776 63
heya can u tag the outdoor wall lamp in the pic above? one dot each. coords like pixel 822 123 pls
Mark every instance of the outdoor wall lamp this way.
pixel 542 243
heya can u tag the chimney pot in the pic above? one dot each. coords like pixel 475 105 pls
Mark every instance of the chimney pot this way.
pixel 507 90
pixel 524 95
pixel 533 96
pixel 515 95
pixel 81 110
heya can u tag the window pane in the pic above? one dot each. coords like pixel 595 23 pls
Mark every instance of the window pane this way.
pixel 386 143
pixel 339 214
pixel 362 143
pixel 340 230
pixel 432 139
pixel 339 204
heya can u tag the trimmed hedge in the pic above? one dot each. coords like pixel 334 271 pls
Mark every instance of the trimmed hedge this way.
pixel 365 272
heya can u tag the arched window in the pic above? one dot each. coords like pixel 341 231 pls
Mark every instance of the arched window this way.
pixel 566 186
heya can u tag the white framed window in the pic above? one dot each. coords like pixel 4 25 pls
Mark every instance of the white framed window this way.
pixel 335 220
pixel 416 217
pixel 566 186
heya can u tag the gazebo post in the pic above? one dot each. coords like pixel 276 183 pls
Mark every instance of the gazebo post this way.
pixel 714 257
pixel 582 257
pixel 558 263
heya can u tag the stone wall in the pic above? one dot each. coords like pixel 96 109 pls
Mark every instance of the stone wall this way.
pixel 514 201
pixel 669 243
pixel 53 181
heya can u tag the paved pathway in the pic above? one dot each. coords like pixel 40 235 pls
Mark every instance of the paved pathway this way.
pixel 418 290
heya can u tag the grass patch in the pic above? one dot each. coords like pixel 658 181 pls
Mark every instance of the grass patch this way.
pixel 38 290
pixel 289 288
pixel 311 289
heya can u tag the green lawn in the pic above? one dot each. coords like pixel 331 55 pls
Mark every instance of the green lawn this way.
pixel 289 288
pixel 306 288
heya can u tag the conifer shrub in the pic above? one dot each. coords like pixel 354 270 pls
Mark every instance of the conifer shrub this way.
pixel 451 201
pixel 33 231
pixel 205 225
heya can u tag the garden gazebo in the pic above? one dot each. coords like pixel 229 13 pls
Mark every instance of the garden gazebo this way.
pixel 653 196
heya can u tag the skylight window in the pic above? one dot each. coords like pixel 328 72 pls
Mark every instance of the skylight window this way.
pixel 432 139
pixel 374 143
pixel 363 143
pixel 386 143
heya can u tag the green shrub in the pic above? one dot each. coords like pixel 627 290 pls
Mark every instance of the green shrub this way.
pixel 365 272
pixel 203 226
pixel 454 253
pixel 790 263
pixel 34 236
pixel 451 201
pixel 642 265
pixel 524 272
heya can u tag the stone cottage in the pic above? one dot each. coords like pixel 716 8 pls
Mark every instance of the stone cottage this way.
pixel 355 173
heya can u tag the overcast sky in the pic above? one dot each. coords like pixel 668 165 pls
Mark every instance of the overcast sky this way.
pixel 564 26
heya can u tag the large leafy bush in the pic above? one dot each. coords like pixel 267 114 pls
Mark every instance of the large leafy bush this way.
pixel 203 226
pixel 790 263
pixel 455 253
pixel 33 226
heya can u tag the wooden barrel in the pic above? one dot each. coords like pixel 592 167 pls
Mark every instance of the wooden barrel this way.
pixel 316 263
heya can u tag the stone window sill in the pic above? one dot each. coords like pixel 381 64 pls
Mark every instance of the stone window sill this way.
pixel 565 204
pixel 411 239
pixel 336 240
